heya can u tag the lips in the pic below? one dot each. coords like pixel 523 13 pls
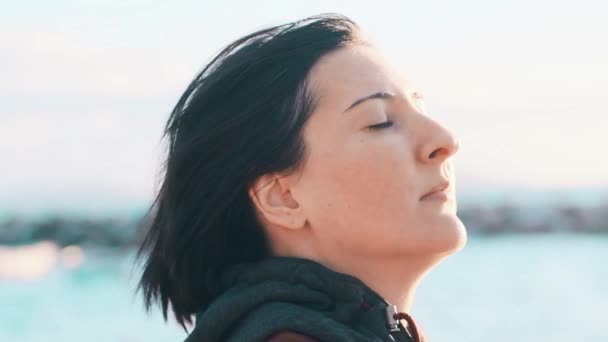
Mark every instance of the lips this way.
pixel 438 188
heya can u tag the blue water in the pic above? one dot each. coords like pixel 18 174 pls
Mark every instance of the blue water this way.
pixel 517 288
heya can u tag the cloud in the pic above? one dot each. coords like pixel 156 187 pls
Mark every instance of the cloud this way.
pixel 39 61
pixel 79 115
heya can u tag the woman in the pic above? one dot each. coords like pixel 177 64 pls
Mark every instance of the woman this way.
pixel 305 195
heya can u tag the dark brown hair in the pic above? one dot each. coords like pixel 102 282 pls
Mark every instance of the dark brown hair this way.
pixel 240 118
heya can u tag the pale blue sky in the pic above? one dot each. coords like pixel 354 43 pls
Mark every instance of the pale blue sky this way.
pixel 86 86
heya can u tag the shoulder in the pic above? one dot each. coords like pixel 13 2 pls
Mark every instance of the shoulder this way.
pixel 286 322
pixel 281 322
pixel 290 336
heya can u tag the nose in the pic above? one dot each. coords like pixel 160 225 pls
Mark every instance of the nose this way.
pixel 438 142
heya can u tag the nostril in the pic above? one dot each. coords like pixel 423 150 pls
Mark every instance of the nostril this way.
pixel 434 153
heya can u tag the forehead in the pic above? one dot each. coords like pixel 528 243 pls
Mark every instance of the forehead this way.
pixel 349 73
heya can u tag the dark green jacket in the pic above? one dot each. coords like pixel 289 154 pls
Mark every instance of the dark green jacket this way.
pixel 298 295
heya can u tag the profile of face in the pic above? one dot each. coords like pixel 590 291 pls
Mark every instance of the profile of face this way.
pixel 373 152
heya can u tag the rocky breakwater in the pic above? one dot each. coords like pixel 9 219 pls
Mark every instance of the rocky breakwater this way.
pixel 64 230
pixel 120 232
pixel 513 219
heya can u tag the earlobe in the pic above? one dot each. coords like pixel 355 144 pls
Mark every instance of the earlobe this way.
pixel 274 201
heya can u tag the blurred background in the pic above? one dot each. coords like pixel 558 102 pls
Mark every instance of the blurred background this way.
pixel 86 86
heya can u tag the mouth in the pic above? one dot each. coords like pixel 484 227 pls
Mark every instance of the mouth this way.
pixel 440 191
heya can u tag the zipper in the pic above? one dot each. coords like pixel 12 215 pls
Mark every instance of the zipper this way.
pixel 395 325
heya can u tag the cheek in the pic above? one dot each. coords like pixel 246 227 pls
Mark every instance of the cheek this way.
pixel 373 180
pixel 363 190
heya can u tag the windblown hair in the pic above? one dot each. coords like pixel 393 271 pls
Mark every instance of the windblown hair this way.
pixel 240 118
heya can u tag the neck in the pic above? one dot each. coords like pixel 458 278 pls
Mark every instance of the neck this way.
pixel 394 279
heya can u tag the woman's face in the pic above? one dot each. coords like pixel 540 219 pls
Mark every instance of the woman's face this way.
pixel 371 161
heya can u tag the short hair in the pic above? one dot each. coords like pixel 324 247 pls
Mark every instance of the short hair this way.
pixel 240 118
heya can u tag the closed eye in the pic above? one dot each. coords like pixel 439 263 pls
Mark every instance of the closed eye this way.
pixel 381 125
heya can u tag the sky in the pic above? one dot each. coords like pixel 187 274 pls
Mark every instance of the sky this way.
pixel 86 86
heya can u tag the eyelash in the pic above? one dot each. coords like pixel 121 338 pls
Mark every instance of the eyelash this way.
pixel 416 95
pixel 382 125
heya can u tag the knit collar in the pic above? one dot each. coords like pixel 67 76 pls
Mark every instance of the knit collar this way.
pixel 339 296
pixel 341 286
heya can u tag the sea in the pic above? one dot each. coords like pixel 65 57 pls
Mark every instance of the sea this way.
pixel 545 287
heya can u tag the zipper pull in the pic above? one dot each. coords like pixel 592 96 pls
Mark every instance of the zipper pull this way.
pixel 393 317
pixel 393 324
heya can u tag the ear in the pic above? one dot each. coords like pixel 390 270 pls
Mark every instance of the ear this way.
pixel 274 200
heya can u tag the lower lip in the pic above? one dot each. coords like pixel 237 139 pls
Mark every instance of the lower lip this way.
pixel 436 196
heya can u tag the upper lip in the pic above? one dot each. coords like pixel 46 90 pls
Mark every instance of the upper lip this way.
pixel 440 187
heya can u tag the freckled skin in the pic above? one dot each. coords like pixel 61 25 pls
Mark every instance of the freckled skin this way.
pixel 355 203
pixel 360 188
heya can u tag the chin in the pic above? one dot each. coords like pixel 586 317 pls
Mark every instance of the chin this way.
pixel 457 236
pixel 449 236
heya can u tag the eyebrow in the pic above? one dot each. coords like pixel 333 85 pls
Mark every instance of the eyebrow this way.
pixel 378 95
